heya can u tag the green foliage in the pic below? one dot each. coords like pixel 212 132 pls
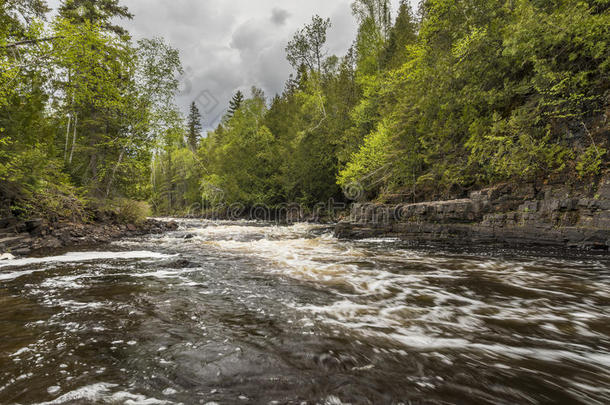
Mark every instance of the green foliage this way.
pixel 402 34
pixel 194 126
pixel 368 166
pixel 242 158
pixel 235 102
pixel 487 93
pixel 82 107
pixel 469 93
pixel 128 211
pixel 474 93
pixel 591 161
pixel 102 11
pixel 95 64
pixel 176 171
pixel 307 46
pixel 512 149
pixel 58 201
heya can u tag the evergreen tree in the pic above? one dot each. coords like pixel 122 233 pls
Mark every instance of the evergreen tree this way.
pixel 403 33
pixel 194 126
pixel 103 12
pixel 373 31
pixel 235 102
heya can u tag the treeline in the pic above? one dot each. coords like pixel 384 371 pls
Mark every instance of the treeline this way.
pixel 460 95
pixel 464 94
pixel 83 110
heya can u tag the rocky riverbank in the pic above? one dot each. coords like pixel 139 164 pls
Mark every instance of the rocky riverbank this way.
pixel 514 215
pixel 21 238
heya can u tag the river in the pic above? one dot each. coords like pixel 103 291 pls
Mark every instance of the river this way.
pixel 246 313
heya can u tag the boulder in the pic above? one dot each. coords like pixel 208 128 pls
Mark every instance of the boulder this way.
pixel 50 242
pixel 32 225
pixel 6 256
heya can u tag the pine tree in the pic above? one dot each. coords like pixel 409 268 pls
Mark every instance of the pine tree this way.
pixel 403 32
pixel 194 127
pixel 235 102
pixel 101 11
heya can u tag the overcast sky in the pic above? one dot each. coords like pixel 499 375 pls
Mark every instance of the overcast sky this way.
pixel 230 45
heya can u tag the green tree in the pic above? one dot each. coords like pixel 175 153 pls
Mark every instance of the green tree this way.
pixel 235 102
pixel 375 22
pixel 97 91
pixel 244 161
pixel 484 92
pixel 473 93
pixel 194 126
pixel 378 11
pixel 103 12
pixel 307 45
pixel 402 33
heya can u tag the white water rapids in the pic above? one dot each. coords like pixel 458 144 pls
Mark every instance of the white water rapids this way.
pixel 254 313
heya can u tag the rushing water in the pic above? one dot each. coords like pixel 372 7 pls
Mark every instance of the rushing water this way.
pixel 241 313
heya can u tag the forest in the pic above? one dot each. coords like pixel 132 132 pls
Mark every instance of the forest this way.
pixel 426 104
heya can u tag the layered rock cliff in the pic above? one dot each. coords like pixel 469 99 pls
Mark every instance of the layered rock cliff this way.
pixel 508 214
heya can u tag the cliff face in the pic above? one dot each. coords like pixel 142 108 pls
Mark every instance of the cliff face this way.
pixel 514 215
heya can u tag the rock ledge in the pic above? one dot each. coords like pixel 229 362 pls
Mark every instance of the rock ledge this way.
pixel 507 215
pixel 20 238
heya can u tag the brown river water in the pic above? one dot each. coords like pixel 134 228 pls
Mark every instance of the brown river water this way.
pixel 246 313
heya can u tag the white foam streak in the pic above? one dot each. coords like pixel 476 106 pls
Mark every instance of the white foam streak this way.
pixel 79 257
pixel 102 392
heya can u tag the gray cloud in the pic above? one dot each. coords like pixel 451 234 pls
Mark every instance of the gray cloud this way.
pixel 279 16
pixel 249 37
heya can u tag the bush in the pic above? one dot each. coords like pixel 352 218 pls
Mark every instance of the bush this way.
pixel 128 211
pixel 53 202
pixel 591 161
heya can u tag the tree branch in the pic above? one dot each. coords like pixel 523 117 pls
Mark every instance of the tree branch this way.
pixel 30 42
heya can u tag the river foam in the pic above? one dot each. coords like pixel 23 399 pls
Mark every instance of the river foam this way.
pixel 380 292
pixel 82 257
pixel 239 312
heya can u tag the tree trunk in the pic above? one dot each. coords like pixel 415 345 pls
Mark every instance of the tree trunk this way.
pixel 116 167
pixel 73 138
pixel 67 138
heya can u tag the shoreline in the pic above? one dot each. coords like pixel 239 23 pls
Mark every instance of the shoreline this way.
pixel 24 238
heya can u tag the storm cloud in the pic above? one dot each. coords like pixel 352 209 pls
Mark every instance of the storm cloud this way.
pixel 230 46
